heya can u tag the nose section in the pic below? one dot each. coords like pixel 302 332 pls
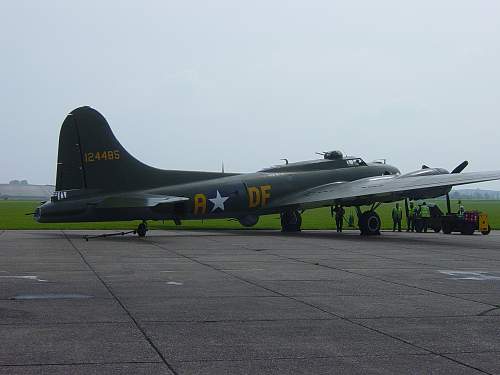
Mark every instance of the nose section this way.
pixel 392 169
pixel 37 215
pixel 396 170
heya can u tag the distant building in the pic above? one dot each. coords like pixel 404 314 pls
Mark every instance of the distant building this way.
pixel 17 182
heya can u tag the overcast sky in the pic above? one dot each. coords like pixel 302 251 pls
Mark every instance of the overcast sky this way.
pixel 189 84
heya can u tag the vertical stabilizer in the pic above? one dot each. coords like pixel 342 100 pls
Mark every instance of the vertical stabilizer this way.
pixel 90 157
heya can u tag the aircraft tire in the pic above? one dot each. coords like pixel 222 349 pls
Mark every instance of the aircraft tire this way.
pixel 142 229
pixel 369 223
pixel 291 221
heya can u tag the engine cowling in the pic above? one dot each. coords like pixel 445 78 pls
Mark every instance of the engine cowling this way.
pixel 426 172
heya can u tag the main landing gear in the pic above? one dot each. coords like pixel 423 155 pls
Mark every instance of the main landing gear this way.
pixel 142 229
pixel 291 220
pixel 369 222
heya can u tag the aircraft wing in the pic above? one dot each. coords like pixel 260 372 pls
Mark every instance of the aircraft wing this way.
pixel 384 189
pixel 138 200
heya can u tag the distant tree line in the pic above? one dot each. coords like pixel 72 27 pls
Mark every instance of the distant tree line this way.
pixel 475 194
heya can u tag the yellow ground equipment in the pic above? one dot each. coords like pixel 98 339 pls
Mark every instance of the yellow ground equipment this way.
pixel 484 226
pixel 467 223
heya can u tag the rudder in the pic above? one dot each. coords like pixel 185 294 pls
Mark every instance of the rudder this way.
pixel 90 157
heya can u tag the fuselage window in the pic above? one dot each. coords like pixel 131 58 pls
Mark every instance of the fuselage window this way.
pixel 355 162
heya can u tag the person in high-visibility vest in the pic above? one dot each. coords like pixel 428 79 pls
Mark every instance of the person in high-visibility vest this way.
pixel 425 215
pixel 410 220
pixel 397 216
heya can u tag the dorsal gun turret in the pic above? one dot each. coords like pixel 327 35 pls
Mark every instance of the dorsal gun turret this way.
pixel 333 155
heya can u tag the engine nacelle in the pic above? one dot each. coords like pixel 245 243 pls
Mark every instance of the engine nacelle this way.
pixel 249 220
pixel 426 172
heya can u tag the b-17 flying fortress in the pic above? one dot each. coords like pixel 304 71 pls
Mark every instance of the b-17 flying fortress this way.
pixel 98 180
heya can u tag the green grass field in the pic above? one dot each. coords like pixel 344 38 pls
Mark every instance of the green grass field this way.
pixel 12 216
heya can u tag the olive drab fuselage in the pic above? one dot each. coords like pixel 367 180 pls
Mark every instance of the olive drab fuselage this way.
pixel 98 180
pixel 234 196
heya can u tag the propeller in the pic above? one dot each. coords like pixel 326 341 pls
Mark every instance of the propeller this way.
pixel 459 168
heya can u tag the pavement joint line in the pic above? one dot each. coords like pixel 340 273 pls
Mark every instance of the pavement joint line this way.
pixel 82 254
pixel 426 264
pixel 14 300
pixel 302 358
pixel 117 299
pixel 469 352
pixel 408 241
pixel 363 325
pixel 359 324
pixel 430 251
pixel 314 319
pixel 369 276
pixel 485 312
pixel 50 324
pixel 388 281
pixel 78 364
pixel 167 322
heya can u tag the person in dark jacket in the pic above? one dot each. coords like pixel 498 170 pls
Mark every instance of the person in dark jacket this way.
pixel 339 217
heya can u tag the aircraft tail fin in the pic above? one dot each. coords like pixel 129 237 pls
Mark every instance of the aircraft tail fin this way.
pixel 90 157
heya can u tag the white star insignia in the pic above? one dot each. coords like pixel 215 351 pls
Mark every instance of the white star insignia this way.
pixel 218 201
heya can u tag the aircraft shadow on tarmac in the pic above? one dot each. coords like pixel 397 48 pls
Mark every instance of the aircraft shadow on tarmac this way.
pixel 348 236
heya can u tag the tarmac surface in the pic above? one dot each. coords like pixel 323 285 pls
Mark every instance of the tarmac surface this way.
pixel 249 302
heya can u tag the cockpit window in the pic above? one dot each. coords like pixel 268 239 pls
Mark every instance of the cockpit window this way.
pixel 355 162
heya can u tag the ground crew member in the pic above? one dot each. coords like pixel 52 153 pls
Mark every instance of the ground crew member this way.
pixel 461 209
pixel 397 216
pixel 339 217
pixel 411 218
pixel 425 215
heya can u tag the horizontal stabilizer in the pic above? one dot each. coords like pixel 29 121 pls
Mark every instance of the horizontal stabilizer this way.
pixel 139 200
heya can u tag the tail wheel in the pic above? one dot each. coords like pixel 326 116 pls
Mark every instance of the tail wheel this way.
pixel 142 229
pixel 369 223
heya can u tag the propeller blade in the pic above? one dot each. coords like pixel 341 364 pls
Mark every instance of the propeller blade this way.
pixel 448 204
pixel 459 168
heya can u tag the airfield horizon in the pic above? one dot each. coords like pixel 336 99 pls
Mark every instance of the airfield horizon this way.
pixel 13 216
